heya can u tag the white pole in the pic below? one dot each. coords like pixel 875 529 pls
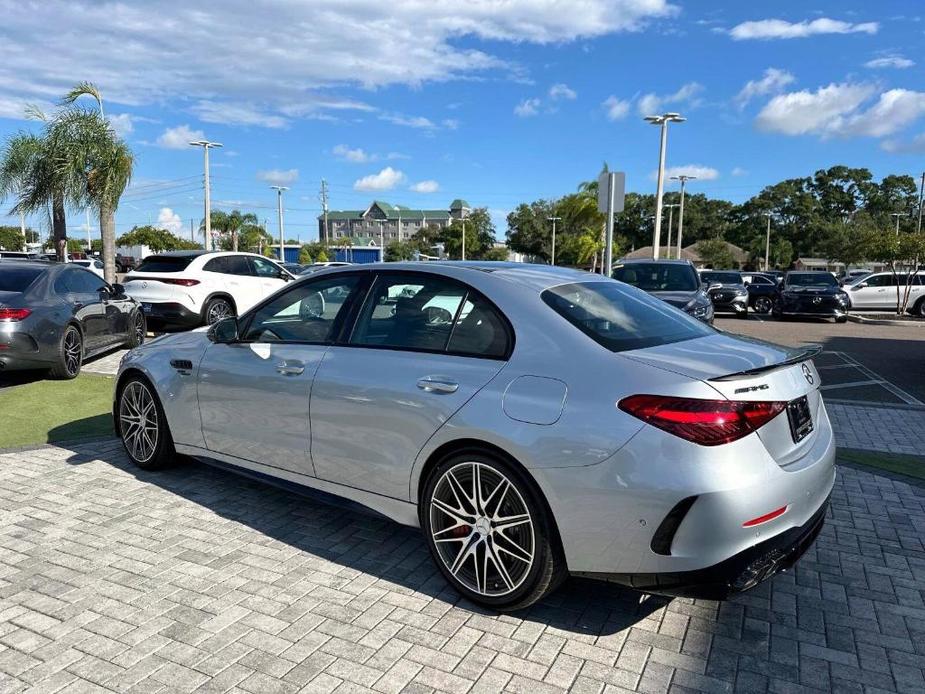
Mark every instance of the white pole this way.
pixel 89 243
pixel 608 237
pixel 681 217
pixel 767 243
pixel 659 190
pixel 553 220
pixel 279 218
pixel 463 239
pixel 207 202
pixel 22 228
pixel 670 220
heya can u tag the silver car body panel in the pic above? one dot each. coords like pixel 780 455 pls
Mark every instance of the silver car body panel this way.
pixel 609 478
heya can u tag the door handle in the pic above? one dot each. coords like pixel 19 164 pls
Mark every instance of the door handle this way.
pixel 435 384
pixel 290 368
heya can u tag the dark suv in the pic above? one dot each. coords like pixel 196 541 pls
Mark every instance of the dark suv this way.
pixel 673 281
pixel 811 293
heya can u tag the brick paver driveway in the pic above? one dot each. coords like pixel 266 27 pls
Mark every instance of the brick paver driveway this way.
pixel 195 578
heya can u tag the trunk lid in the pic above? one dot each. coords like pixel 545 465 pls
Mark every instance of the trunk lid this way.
pixel 8 298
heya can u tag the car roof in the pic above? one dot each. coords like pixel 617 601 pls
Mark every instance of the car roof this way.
pixel 653 261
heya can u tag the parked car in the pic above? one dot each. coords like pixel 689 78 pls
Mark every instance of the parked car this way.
pixel 314 267
pixel 879 291
pixel 811 293
pixel 673 281
pixel 762 289
pixel 292 268
pixel 853 276
pixel 554 422
pixel 93 265
pixel 727 291
pixel 18 255
pixel 125 263
pixel 189 288
pixel 55 315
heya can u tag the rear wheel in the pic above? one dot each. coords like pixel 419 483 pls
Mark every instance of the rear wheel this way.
pixel 919 308
pixel 762 305
pixel 216 308
pixel 138 329
pixel 143 426
pixel 489 533
pixel 70 355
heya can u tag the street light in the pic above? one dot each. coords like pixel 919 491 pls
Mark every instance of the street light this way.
pixel 767 242
pixel 898 215
pixel 662 121
pixel 670 220
pixel 553 220
pixel 206 145
pixel 684 179
pixel 279 218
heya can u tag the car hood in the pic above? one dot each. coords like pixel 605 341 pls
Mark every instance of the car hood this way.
pixel 716 355
pixel 812 291
pixel 679 299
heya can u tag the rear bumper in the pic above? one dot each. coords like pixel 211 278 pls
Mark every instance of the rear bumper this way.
pixel 738 573
pixel 20 351
pixel 170 314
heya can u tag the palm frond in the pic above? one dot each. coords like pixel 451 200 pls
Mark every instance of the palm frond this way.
pixel 83 89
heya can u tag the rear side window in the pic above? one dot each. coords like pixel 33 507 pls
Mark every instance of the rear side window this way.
pixel 165 263
pixel 17 279
pixel 620 318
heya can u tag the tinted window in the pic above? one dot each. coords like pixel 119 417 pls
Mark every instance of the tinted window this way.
pixel 480 330
pixel 880 281
pixel 658 277
pixel 83 282
pixel 306 313
pixel 17 279
pixel 264 268
pixel 721 277
pixel 410 312
pixel 165 263
pixel 810 279
pixel 760 279
pixel 622 319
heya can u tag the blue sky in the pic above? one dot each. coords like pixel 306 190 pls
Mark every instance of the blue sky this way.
pixel 417 102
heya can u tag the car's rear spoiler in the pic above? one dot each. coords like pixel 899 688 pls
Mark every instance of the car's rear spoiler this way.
pixel 796 356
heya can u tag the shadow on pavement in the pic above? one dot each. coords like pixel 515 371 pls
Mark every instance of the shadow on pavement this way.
pixel 90 427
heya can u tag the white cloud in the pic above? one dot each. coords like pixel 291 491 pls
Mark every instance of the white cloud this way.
pixel 279 177
pixel 773 82
pixel 615 108
pixel 914 146
pixel 428 186
pixel 419 122
pixel 169 220
pixel 450 123
pixel 121 123
pixel 650 104
pixel 890 61
pixel 837 111
pixel 703 173
pixel 210 111
pixel 357 156
pixel 527 108
pixel 561 91
pixel 739 171
pixel 782 29
pixel 179 137
pixel 386 179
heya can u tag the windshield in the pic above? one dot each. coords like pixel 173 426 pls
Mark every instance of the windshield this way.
pixel 810 279
pixel 721 277
pixel 658 277
pixel 17 279
pixel 165 263
pixel 620 318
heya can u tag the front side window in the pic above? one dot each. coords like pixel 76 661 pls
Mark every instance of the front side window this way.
pixel 306 313
pixel 658 277
pixel 264 268
pixel 620 318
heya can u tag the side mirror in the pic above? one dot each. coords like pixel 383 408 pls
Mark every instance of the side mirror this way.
pixel 285 276
pixel 118 289
pixel 224 332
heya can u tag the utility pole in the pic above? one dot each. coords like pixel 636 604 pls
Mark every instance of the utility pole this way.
pixel 463 220
pixel 662 121
pixel 279 217
pixel 22 228
pixel 553 220
pixel 207 203
pixel 670 220
pixel 767 242
pixel 918 227
pixel 89 242
pixel 684 179
pixel 324 207
pixel 192 234
pixel 381 246
pixel 897 215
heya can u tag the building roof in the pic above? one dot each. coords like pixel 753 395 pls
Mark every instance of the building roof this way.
pixel 394 212
pixel 459 204
pixel 646 252
pixel 739 254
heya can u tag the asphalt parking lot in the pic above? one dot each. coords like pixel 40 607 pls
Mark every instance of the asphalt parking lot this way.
pixel 877 364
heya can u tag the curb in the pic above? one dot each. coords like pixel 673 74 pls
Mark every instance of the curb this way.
pixel 854 318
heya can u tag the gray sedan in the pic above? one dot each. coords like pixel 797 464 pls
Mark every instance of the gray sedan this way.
pixel 53 316
pixel 533 421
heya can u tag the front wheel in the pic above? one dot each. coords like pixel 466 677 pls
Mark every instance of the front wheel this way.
pixel 762 305
pixel 919 308
pixel 143 426
pixel 489 533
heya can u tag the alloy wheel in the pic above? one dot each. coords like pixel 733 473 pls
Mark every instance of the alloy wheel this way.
pixel 482 529
pixel 762 304
pixel 138 326
pixel 217 310
pixel 138 421
pixel 73 352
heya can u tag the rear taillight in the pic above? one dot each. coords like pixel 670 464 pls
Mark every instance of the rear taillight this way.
pixel 706 422
pixel 14 314
pixel 182 283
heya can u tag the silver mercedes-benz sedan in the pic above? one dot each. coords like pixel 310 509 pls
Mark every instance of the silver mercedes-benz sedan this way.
pixel 533 421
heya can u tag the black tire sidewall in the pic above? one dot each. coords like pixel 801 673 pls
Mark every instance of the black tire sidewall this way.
pixel 133 340
pixel 207 309
pixel 60 369
pixel 544 548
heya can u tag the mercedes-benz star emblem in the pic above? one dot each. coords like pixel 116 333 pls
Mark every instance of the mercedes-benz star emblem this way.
pixel 808 375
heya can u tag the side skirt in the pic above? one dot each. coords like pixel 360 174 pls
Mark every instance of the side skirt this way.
pixel 402 512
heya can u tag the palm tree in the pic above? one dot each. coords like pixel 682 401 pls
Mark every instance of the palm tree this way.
pixel 231 224
pixel 84 89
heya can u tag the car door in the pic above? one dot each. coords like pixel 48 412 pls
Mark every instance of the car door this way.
pixel 254 393
pixel 81 289
pixel 422 346
pixel 876 291
pixel 269 274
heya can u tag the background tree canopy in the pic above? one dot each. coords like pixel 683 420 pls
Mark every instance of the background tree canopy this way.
pixel 157 240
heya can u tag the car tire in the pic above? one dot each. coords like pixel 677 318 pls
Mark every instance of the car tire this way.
pixel 70 355
pixel 216 308
pixel 841 319
pixel 143 425
pixel 919 308
pixel 743 315
pixel 520 560
pixel 762 305
pixel 138 329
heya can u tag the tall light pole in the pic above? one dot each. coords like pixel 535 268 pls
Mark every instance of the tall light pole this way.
pixel 918 227
pixel 897 215
pixel 22 228
pixel 670 220
pixel 767 242
pixel 279 218
pixel 684 179
pixel 662 121
pixel 553 220
pixel 381 247
pixel 206 146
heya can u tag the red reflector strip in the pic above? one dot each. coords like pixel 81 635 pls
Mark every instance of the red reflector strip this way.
pixel 766 517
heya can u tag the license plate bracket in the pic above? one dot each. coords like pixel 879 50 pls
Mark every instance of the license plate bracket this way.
pixel 800 418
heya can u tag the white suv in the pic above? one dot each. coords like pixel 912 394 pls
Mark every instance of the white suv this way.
pixel 878 290
pixel 190 288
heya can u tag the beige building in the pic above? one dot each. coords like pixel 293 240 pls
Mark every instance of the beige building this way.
pixel 396 222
